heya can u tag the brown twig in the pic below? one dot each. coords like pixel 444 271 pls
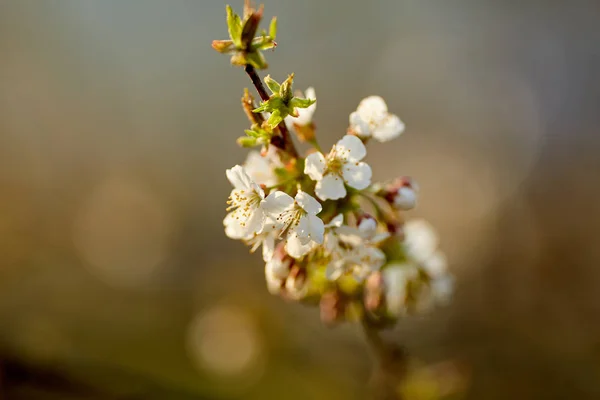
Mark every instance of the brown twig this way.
pixel 288 144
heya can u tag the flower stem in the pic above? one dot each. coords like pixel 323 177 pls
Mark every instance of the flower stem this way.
pixel 288 144
pixel 390 366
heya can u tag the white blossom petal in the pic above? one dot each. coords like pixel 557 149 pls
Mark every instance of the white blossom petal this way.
pixel 336 222
pixel 240 179
pixel 295 247
pixel 436 265
pixel 334 270
pixel 330 187
pixel 233 229
pixel 277 202
pixel 351 148
pixel 314 166
pixel 390 127
pixel 308 203
pixel 268 248
pixel 255 222
pixel 420 240
pixel 359 125
pixel 372 107
pixel 310 228
pixel 260 169
pixel 357 175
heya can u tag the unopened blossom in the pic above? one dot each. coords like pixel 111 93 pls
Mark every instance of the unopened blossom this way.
pixel 296 284
pixel 277 270
pixel 262 168
pixel 305 115
pixel 297 219
pixel 402 193
pixel 342 166
pixel 246 215
pixel 372 118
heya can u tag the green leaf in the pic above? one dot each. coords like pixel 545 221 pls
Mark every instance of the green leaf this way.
pixel 234 26
pixel 274 87
pixel 223 46
pixel 275 118
pixel 262 43
pixel 257 60
pixel 246 141
pixel 273 28
pixel 297 102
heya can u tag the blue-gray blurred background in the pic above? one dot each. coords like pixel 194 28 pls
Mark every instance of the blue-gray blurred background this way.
pixel 117 121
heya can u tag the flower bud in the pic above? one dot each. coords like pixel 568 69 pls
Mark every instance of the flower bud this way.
pixel 402 193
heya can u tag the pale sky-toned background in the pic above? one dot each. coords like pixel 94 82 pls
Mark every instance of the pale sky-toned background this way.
pixel 117 121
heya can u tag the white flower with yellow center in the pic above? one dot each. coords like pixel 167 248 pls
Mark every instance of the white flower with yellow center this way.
pixel 372 118
pixel 297 219
pixel 247 215
pixel 341 166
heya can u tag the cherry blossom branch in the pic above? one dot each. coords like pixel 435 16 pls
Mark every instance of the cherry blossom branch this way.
pixel 288 144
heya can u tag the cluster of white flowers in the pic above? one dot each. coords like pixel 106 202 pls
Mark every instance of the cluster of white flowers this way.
pixel 308 214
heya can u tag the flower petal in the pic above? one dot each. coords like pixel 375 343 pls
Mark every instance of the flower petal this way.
pixel 295 247
pixel 268 248
pixel 316 228
pixel 388 128
pixel 276 203
pixel 310 228
pixel 330 187
pixel 254 223
pixel 351 148
pixel 420 240
pixel 314 166
pixel 336 222
pixel 233 229
pixel 359 125
pixel 372 107
pixel 334 270
pixel 238 177
pixel 357 175
pixel 308 203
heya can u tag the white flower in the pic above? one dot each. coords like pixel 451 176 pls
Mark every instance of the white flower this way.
pixel 396 278
pixel 260 168
pixel 371 118
pixel 266 238
pixel 247 215
pixel 420 240
pixel 351 251
pixel 342 165
pixel 305 115
pixel 297 219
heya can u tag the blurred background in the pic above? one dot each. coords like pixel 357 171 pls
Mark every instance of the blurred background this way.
pixel 117 122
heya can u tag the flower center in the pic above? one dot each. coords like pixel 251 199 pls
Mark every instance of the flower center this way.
pixel 243 203
pixel 334 166
pixel 290 218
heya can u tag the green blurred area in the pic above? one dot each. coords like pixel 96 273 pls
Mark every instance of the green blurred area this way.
pixel 117 121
